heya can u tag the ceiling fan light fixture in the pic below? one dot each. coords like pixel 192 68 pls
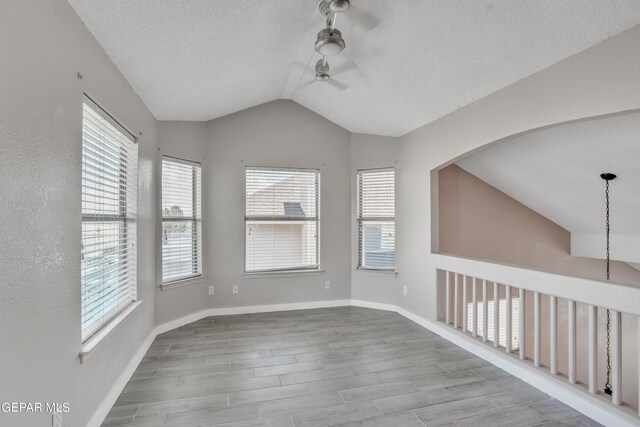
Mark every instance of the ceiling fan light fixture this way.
pixel 339 6
pixel 329 42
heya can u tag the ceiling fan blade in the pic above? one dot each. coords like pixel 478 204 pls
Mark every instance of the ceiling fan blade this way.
pixel 337 84
pixel 307 84
pixel 362 17
pixel 343 68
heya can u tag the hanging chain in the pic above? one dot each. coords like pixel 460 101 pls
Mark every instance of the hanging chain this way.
pixel 607 386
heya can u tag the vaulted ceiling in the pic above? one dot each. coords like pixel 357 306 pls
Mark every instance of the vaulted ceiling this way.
pixel 202 59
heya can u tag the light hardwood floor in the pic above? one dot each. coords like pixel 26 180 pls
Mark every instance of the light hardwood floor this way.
pixel 344 366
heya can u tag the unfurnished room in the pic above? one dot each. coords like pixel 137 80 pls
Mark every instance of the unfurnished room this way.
pixel 287 213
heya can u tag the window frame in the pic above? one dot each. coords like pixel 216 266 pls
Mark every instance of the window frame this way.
pixel 303 269
pixel 361 220
pixel 200 249
pixel 127 216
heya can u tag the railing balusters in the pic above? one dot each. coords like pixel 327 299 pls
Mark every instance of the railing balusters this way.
pixel 616 357
pixel 464 304
pixel 553 334
pixel 485 311
pixel 571 339
pixel 593 349
pixel 474 309
pixel 456 301
pixel 537 329
pixel 521 324
pixel 447 293
pixel 459 299
pixel 507 342
pixel 496 315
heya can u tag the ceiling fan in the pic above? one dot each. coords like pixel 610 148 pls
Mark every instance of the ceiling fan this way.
pixel 330 42
pixel 324 73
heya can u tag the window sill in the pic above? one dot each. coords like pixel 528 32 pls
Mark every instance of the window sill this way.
pixel 92 343
pixel 295 273
pixel 387 273
pixel 183 282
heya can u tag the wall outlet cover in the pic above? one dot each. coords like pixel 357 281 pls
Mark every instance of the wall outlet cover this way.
pixel 211 290
pixel 235 289
pixel 404 290
pixel 327 285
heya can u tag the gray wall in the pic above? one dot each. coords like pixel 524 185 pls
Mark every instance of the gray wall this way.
pixel 187 141
pixel 278 134
pixel 44 45
pixel 369 152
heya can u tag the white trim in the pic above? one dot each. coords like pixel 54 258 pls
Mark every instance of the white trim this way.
pixel 248 309
pixel 593 406
pixel 103 410
pixel 94 341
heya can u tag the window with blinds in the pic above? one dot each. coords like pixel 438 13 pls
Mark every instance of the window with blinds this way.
pixel 109 194
pixel 181 220
pixel 376 219
pixel 281 219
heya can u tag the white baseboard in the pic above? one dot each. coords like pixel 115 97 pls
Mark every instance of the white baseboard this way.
pixel 106 405
pixel 248 309
pixel 592 406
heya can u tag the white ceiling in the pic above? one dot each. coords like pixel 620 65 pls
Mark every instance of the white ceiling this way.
pixel 556 172
pixel 202 59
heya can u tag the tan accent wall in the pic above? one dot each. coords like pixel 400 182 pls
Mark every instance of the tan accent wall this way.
pixel 478 221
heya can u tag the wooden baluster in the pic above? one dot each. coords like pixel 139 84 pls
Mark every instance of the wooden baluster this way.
pixel 593 349
pixel 464 304
pixel 616 357
pixel 571 339
pixel 521 324
pixel 553 334
pixel 508 312
pixel 485 311
pixel 496 315
pixel 456 301
pixel 474 310
pixel 447 292
pixel 537 328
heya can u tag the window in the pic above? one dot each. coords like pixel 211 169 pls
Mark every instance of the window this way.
pixel 502 322
pixel 181 220
pixel 281 219
pixel 109 192
pixel 376 219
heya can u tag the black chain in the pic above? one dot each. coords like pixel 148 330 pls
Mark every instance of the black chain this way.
pixel 607 386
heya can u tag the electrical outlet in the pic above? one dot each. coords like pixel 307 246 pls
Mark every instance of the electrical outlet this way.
pixel 235 289
pixel 404 290
pixel 56 420
pixel 327 285
pixel 211 290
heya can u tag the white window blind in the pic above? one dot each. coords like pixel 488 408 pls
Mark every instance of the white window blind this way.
pixel 181 220
pixel 376 219
pixel 109 193
pixel 281 219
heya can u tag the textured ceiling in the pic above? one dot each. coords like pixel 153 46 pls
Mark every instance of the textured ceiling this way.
pixel 202 59
pixel 556 172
